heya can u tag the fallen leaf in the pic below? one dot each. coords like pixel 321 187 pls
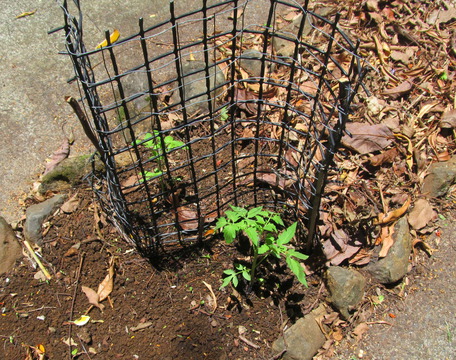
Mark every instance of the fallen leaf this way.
pixel 112 39
pixel 69 342
pixel 387 156
pixel 244 99
pixel 74 250
pixel 188 219
pixel 71 204
pixel 339 247
pixel 130 184
pixel 58 156
pixel 282 180
pixel 448 120
pixel 392 215
pixel 386 240
pixel 26 13
pixel 360 329
pixel 84 319
pixel 363 257
pixel 40 276
pixel 366 138
pixel 93 297
pixel 106 286
pixel 141 326
pixel 401 89
pixel 421 215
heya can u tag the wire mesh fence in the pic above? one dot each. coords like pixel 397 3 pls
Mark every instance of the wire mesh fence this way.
pixel 202 111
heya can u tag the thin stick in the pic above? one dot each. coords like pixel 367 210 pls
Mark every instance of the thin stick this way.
pixel 38 261
pixel 84 122
pixel 248 342
pixel 78 274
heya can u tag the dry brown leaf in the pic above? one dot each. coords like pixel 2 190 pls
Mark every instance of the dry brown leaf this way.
pixel 128 185
pixel 283 182
pixel 363 257
pixel 141 326
pixel 244 100
pixel 188 219
pixel 401 89
pixel 387 156
pixel 448 120
pixel 421 215
pixel 93 297
pixel 71 204
pixel 367 138
pixel 386 240
pixel 106 286
pixel 360 329
pixel 392 215
pixel 58 156
pixel 74 250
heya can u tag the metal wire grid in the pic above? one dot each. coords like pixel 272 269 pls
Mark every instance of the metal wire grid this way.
pixel 237 143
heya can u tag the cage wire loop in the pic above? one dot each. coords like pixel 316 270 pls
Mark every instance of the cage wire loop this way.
pixel 207 110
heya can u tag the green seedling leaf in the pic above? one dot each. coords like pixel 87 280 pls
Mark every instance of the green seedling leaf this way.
pixel 443 76
pixel 246 275
pixel 253 235
pixel 254 212
pixel 270 227
pixel 232 215
pixel 225 282
pixel 263 249
pixel 297 269
pixel 297 254
pixel 229 233
pixel 224 114
pixel 221 223
pixel 286 236
pixel 278 220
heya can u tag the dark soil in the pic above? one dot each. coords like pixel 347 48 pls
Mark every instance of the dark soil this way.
pixel 185 323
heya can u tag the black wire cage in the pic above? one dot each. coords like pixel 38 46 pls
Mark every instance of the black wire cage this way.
pixel 205 110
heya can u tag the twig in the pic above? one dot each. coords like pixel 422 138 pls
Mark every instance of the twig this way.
pixel 78 275
pixel 279 355
pixel 248 342
pixel 83 347
pixel 38 261
pixel 84 122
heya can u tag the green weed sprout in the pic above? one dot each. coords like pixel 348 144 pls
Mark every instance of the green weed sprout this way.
pixel 260 226
pixel 153 143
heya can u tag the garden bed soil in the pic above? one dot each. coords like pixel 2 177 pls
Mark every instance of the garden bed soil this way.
pixel 184 322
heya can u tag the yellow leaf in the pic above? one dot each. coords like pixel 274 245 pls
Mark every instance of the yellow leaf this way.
pixel 27 13
pixel 84 319
pixel 112 39
pixel 41 348
pixel 392 215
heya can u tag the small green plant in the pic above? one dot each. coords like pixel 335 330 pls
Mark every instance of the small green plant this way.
pixel 261 228
pixel 224 114
pixel 154 144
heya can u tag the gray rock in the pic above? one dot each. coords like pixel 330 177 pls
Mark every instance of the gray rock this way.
pixel 285 47
pixel 441 176
pixel 346 288
pixel 394 265
pixel 194 80
pixel 68 173
pixel 10 249
pixel 250 61
pixel 303 339
pixel 37 214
